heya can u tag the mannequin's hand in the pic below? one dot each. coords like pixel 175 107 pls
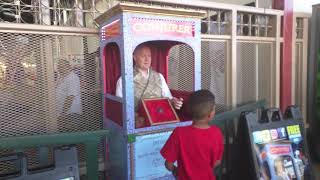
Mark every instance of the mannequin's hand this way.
pixel 139 121
pixel 177 103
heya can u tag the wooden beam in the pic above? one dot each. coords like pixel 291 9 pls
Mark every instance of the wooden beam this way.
pixel 277 63
pixel 286 61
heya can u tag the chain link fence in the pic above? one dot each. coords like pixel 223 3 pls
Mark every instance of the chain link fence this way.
pixel 48 84
pixel 213 74
pixel 255 72
pixel 181 68
pixel 54 12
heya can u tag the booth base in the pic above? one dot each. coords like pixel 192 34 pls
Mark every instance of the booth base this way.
pixel 137 157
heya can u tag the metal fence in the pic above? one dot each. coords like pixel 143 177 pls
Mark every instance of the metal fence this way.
pixel 49 83
pixel 255 74
pixel 213 70
pixel 54 12
pixel 180 68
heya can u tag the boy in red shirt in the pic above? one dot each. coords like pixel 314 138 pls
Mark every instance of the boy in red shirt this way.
pixel 197 148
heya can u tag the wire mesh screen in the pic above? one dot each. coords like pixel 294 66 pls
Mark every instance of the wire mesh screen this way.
pixel 254 74
pixel 180 68
pixel 213 78
pixel 298 74
pixel 266 73
pixel 54 12
pixel 48 84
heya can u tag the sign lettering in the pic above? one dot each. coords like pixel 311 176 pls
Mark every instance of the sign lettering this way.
pixel 141 26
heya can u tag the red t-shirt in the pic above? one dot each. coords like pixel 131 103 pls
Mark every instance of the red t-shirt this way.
pixel 196 151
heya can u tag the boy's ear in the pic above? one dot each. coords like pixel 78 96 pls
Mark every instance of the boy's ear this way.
pixel 212 113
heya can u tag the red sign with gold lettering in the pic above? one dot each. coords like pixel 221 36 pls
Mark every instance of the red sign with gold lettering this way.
pixel 144 26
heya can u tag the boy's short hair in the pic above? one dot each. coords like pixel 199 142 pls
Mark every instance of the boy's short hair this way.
pixel 200 104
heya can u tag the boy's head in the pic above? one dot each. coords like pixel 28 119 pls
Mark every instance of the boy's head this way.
pixel 201 105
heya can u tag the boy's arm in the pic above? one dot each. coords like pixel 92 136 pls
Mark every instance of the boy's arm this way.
pixel 171 167
pixel 217 163
pixel 219 148
pixel 170 151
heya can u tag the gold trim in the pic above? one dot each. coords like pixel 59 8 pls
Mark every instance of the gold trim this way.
pixel 144 9
pixel 165 121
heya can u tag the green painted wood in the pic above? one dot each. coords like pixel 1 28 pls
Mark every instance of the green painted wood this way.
pixel 92 160
pixel 50 139
pixel 131 138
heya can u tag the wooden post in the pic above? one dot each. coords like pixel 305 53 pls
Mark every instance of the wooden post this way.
pixel 286 61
